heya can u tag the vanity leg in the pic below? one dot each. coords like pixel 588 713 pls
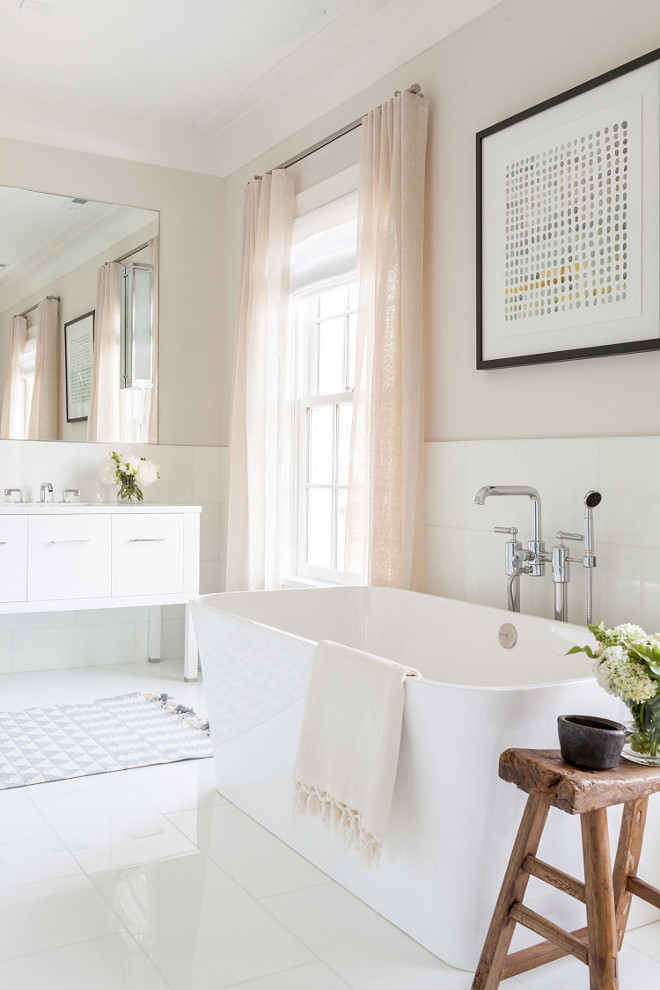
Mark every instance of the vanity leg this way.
pixel 191 655
pixel 154 634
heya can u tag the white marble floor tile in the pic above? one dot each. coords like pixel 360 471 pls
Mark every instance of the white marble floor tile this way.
pixel 636 970
pixel 646 939
pixel 250 854
pixel 111 963
pixel 28 861
pixel 52 913
pixel 316 976
pixel 177 787
pixel 356 943
pixel 197 926
pixel 111 828
pixel 13 695
pixel 19 818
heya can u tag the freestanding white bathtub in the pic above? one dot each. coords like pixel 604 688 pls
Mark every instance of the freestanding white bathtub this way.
pixel 453 821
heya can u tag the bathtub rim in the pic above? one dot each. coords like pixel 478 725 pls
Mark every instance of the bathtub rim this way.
pixel 202 602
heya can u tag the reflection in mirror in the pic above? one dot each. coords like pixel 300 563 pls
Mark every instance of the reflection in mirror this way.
pixel 63 260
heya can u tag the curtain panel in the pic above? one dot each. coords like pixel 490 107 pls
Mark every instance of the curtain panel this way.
pixel 45 411
pixel 13 402
pixel 261 399
pixel 385 513
pixel 104 421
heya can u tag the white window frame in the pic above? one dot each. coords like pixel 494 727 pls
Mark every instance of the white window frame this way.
pixel 307 323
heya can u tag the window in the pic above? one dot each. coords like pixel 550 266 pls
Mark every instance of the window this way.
pixel 325 330
pixel 324 315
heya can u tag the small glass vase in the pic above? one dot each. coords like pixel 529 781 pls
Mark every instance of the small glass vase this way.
pixel 643 740
pixel 128 489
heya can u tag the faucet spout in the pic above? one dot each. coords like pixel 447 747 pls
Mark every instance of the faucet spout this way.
pixel 45 487
pixel 535 503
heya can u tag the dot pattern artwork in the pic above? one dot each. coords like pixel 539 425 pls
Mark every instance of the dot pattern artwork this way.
pixel 566 226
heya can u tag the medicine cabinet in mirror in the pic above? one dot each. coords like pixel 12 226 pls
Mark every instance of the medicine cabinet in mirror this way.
pixel 72 269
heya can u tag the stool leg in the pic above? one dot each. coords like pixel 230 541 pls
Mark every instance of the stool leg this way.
pixel 500 932
pixel 628 853
pixel 601 915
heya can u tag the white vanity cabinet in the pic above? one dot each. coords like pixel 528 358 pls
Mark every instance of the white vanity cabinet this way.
pixel 13 558
pixel 63 557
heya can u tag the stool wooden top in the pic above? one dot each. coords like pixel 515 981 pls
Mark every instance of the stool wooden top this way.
pixel 542 771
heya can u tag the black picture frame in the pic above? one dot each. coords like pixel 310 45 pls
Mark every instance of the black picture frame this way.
pixel 514 208
pixel 78 365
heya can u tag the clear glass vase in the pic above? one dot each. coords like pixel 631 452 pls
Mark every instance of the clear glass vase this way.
pixel 643 741
pixel 128 489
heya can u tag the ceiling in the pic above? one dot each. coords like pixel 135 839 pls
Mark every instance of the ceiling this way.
pixel 205 85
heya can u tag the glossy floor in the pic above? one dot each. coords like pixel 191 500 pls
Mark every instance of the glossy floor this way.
pixel 148 879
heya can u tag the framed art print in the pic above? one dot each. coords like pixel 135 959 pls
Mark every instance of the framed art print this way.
pixel 78 362
pixel 568 228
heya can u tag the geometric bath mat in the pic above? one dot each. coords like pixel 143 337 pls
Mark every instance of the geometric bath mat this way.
pixel 132 730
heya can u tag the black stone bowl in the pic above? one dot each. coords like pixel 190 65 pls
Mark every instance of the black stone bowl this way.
pixel 589 742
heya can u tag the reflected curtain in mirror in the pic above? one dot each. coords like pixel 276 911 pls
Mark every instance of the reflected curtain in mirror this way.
pixel 13 403
pixel 45 409
pixel 104 419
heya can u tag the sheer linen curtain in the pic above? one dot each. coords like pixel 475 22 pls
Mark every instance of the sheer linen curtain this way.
pixel 385 511
pixel 45 412
pixel 260 419
pixel 104 421
pixel 150 422
pixel 13 402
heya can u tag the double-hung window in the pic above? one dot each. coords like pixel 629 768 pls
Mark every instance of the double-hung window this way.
pixel 324 313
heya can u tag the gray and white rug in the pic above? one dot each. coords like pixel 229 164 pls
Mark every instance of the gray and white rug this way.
pixel 131 730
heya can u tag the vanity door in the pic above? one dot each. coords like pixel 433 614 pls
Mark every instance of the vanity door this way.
pixel 147 553
pixel 68 557
pixel 13 558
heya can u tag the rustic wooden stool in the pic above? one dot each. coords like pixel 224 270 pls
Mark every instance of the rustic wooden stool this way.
pixel 549 781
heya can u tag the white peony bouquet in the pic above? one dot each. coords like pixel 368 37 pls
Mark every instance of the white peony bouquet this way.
pixel 131 473
pixel 626 664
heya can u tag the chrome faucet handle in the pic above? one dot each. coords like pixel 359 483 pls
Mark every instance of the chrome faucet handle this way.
pixel 561 536
pixel 513 530
pixel 70 491
pixel 15 491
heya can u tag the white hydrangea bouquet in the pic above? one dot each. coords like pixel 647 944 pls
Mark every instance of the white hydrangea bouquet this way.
pixel 626 663
pixel 130 473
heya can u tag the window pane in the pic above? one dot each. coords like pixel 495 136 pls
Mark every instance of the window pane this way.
pixel 321 446
pixel 344 441
pixel 331 356
pixel 342 496
pixel 333 302
pixel 319 527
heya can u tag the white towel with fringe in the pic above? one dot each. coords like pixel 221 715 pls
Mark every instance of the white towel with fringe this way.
pixel 349 744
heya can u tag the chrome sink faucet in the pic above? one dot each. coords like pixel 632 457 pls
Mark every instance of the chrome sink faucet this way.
pixel 45 487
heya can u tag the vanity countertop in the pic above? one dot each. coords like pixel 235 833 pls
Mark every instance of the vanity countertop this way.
pixel 85 508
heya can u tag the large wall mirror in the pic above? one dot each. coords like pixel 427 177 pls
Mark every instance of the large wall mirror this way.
pixel 78 319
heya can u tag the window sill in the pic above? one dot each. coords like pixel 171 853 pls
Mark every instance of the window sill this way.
pixel 295 581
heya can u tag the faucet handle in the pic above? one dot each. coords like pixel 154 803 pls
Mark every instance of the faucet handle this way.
pixel 561 536
pixel 513 530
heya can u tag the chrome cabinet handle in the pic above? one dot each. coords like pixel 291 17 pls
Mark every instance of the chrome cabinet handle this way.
pixel 3 543
pixel 148 539
pixel 52 542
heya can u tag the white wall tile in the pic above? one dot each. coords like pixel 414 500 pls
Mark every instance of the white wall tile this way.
pixel 466 560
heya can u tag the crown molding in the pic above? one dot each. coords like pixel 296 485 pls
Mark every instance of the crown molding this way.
pixel 359 47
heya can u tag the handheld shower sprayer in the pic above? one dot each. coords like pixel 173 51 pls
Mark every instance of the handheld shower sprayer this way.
pixel 591 500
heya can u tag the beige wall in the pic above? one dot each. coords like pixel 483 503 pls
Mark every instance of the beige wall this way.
pixel 516 55
pixel 191 402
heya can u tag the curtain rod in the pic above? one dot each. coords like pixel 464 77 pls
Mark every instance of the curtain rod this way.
pixel 415 89
pixel 36 306
pixel 129 253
